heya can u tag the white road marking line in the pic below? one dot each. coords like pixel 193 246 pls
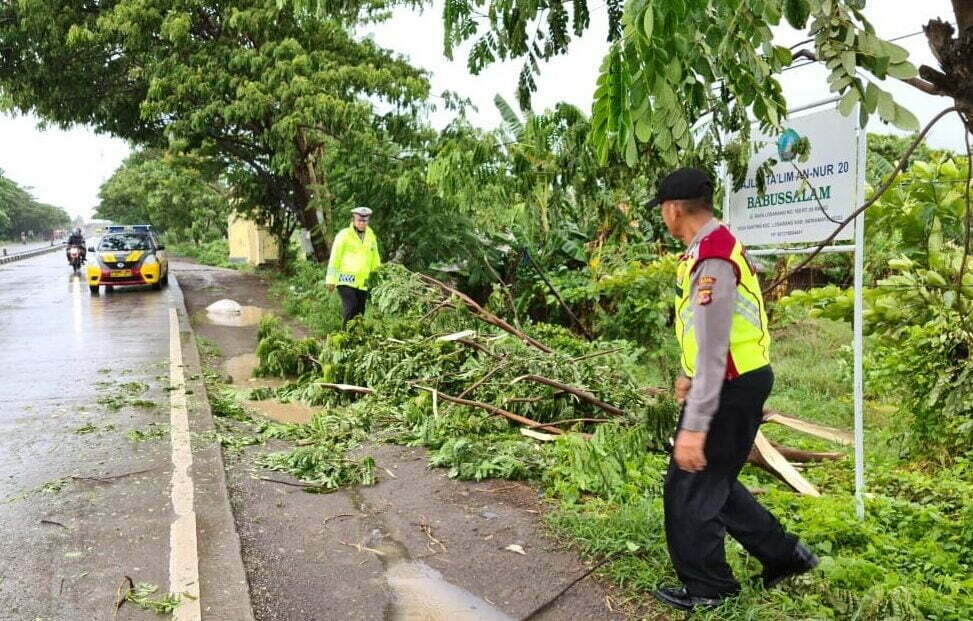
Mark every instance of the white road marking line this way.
pixel 183 556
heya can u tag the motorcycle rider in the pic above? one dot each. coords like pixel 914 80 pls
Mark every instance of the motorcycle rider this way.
pixel 77 239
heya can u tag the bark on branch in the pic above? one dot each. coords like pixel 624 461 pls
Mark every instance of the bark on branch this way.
pixel 584 395
pixel 523 420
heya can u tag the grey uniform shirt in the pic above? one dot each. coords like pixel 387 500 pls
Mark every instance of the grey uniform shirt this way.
pixel 712 317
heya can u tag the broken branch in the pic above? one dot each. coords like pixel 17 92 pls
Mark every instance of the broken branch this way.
pixel 584 395
pixel 486 315
pixel 494 410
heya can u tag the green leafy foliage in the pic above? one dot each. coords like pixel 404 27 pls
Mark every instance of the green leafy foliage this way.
pixel 321 466
pixel 179 196
pixel 918 313
pixel 286 107
pixel 142 596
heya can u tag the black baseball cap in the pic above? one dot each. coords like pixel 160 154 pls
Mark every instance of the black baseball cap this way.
pixel 682 184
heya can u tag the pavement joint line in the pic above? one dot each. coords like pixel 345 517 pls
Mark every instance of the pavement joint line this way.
pixel 183 549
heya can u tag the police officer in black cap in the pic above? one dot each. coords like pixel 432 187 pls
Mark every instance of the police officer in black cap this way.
pixel 721 326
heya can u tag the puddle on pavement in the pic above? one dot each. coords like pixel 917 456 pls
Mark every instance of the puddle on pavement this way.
pixel 419 592
pixel 293 412
pixel 240 368
pixel 231 313
pixel 248 316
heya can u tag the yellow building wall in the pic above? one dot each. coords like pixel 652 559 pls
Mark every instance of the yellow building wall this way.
pixel 250 243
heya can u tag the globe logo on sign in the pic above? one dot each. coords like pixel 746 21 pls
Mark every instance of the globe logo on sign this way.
pixel 787 143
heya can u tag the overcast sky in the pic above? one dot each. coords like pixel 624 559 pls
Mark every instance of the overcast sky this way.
pixel 66 168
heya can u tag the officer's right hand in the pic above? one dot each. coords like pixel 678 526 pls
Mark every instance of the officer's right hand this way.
pixel 682 386
pixel 330 288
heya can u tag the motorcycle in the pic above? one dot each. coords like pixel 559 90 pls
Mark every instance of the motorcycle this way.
pixel 75 259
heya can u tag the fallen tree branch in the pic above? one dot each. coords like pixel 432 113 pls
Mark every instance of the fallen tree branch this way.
pixel 821 431
pixel 362 390
pixel 765 456
pixel 801 456
pixel 486 315
pixel 495 410
pixel 533 614
pixel 478 347
pixel 439 307
pixel 304 485
pixel 113 477
pixel 584 395
pixel 568 421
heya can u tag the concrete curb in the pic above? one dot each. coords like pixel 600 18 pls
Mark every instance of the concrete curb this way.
pixel 26 254
pixel 224 590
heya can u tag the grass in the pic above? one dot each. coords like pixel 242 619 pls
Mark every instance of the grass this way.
pixel 215 252
pixel 305 296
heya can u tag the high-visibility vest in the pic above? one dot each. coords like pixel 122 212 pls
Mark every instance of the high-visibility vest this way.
pixel 353 258
pixel 749 336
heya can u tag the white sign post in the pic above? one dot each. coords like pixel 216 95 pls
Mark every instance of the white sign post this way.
pixel 803 203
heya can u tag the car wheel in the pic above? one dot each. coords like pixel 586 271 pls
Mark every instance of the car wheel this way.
pixel 93 289
pixel 157 286
pixel 165 279
pixel 109 288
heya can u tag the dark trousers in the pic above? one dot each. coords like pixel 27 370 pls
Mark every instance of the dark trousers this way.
pixel 700 508
pixel 352 302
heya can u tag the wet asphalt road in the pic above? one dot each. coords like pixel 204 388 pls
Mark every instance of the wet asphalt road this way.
pixel 79 372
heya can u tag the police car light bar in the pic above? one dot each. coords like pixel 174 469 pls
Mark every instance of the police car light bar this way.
pixel 122 228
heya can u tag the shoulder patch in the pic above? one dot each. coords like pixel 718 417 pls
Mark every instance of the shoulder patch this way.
pixel 717 245
pixel 706 282
pixel 704 296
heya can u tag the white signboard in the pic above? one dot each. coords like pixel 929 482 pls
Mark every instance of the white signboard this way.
pixel 801 199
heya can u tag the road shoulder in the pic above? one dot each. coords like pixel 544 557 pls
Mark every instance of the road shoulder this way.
pixel 224 591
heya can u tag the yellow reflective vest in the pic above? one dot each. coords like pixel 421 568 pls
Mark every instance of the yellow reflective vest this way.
pixel 749 336
pixel 353 259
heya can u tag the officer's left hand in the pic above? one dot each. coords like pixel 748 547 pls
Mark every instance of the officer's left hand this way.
pixel 688 451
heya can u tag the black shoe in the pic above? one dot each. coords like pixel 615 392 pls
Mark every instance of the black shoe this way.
pixel 678 597
pixel 802 562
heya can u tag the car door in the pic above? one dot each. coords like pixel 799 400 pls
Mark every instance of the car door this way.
pixel 161 255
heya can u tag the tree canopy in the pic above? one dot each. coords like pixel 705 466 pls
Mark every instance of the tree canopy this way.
pixel 177 195
pixel 20 212
pixel 267 95
pixel 665 89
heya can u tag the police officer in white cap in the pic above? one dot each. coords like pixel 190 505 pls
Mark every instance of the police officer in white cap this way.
pixel 354 256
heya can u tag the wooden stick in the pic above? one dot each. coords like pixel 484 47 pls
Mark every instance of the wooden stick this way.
pixel 821 431
pixel 764 455
pixel 568 421
pixel 478 347
pixel 486 315
pixel 495 410
pixel 584 395
pixel 793 454
pixel 363 390
pixel 439 307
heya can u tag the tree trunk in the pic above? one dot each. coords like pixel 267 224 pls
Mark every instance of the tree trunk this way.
pixel 963 9
pixel 308 218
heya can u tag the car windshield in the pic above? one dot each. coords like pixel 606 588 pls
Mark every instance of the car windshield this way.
pixel 125 241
